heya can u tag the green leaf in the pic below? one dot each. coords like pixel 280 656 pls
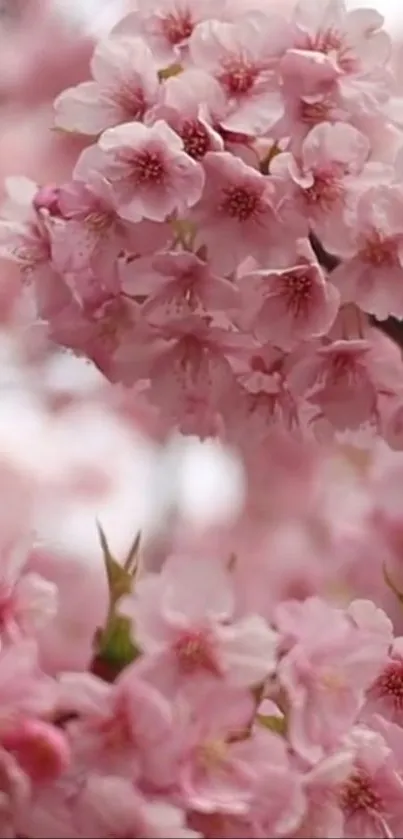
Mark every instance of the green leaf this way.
pixel 276 724
pixel 389 582
pixel 120 578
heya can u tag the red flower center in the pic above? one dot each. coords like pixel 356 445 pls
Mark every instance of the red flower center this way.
pixel 194 651
pixel 240 203
pixel 390 683
pixel 195 138
pixel 238 76
pixel 147 168
pixel 177 27
pixel 358 793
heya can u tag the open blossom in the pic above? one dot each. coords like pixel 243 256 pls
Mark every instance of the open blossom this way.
pixel 293 304
pixel 325 673
pixel 371 797
pixel 353 41
pixel 125 86
pixel 342 379
pixel 150 174
pixel 237 215
pixel 88 242
pixel 191 104
pixel 168 25
pixel 184 618
pixel 177 284
pixel 327 177
pixel 241 57
pixel 120 727
pixel 371 273
pixel 192 369
pixel 25 235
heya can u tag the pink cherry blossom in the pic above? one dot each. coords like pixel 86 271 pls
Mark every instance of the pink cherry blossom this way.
pixel 25 236
pixel 217 771
pixel 385 695
pixel 371 797
pixel 120 726
pixel 191 104
pixel 168 26
pixel 238 213
pixel 178 284
pixel 371 273
pixel 327 178
pixel 151 176
pixel 353 40
pixel 241 56
pixel 325 674
pixel 296 303
pixel 190 627
pixel 335 373
pixel 125 86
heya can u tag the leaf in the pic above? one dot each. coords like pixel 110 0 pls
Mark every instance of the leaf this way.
pixel 275 724
pixel 389 582
pixel 120 578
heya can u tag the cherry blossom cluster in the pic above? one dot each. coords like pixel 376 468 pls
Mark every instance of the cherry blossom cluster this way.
pixel 232 226
pixel 233 144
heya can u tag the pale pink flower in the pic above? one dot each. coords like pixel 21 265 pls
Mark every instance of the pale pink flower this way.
pixel 25 234
pixel 296 303
pixel 190 104
pixel 28 601
pixel 150 174
pixel 86 247
pixel 327 178
pixel 184 618
pixel 326 673
pixel 112 334
pixel 237 215
pixel 353 41
pixel 216 773
pixel 342 380
pixel 112 807
pixel 125 86
pixel 371 273
pixel 191 372
pixel 120 727
pixel 324 817
pixel 241 57
pixel 371 797
pixel 177 284
pixel 168 25
pixel 24 690
pixel 386 694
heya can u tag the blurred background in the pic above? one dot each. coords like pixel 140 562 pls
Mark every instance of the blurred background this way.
pixel 56 414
